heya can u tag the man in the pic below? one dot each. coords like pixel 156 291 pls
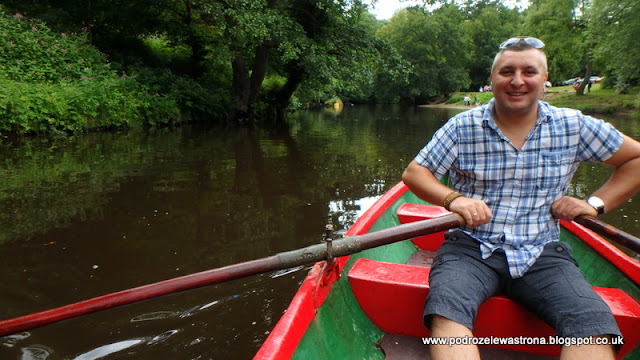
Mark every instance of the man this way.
pixel 510 163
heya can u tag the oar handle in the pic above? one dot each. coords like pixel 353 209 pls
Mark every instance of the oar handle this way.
pixel 602 228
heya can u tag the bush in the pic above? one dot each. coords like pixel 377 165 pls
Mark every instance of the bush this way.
pixel 65 107
pixel 169 99
pixel 31 52
pixel 57 82
pixel 52 82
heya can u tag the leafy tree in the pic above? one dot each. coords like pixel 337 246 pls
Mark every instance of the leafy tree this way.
pixel 490 23
pixel 556 22
pixel 436 45
pixel 614 27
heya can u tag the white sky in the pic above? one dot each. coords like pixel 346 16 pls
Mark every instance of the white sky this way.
pixel 384 9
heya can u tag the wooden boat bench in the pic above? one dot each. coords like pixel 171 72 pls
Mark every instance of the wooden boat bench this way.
pixel 393 295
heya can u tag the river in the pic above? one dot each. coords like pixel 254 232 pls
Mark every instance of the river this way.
pixel 92 214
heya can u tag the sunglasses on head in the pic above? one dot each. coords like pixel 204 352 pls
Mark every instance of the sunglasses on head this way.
pixel 536 43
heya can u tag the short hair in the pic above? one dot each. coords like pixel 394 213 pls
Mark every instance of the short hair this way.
pixel 519 46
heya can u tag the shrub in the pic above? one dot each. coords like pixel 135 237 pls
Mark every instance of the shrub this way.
pixel 31 52
pixel 57 82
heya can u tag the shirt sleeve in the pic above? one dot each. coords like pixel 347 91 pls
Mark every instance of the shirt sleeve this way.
pixel 440 153
pixel 599 140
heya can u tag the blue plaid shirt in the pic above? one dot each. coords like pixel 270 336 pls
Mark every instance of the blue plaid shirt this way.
pixel 519 186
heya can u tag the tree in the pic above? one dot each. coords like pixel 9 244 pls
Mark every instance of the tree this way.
pixel 436 45
pixel 557 23
pixel 614 28
pixel 489 24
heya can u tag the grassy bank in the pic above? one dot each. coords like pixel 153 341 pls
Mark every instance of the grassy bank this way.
pixel 598 101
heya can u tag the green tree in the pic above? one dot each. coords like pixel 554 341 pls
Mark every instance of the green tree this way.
pixel 436 45
pixel 489 24
pixel 614 28
pixel 558 24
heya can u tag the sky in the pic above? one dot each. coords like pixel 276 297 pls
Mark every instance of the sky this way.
pixel 384 9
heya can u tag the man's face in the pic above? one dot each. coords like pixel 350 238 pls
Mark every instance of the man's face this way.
pixel 518 80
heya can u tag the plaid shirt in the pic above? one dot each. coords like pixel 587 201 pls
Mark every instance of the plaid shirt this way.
pixel 519 186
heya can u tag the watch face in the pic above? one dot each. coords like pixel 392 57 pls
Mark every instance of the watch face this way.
pixel 597 203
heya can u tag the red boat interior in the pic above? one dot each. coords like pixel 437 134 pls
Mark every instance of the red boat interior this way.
pixel 392 296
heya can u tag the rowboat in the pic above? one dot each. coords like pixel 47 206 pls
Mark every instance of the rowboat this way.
pixel 369 305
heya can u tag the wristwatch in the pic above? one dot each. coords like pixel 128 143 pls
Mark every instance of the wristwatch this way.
pixel 597 204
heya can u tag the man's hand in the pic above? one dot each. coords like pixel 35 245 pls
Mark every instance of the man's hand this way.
pixel 475 212
pixel 567 208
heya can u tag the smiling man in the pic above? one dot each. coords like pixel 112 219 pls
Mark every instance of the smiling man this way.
pixel 509 164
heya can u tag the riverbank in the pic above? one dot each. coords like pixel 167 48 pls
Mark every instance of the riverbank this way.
pixel 598 101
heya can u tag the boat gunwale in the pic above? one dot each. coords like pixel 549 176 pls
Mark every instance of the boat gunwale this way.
pixel 611 253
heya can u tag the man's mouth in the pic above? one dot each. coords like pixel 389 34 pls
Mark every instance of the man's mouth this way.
pixel 516 93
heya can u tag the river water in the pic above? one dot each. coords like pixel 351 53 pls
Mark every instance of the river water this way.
pixel 98 213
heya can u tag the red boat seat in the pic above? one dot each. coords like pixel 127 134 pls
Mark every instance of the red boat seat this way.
pixel 412 212
pixel 393 295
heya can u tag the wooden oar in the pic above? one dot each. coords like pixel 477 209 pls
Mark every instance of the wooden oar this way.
pixel 342 247
pixel 602 228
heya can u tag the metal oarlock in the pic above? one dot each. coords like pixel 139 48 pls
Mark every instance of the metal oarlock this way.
pixel 328 238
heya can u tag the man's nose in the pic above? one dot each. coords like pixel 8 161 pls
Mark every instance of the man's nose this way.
pixel 517 79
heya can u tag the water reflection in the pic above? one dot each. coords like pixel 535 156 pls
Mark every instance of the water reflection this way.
pixel 98 213
pixel 109 349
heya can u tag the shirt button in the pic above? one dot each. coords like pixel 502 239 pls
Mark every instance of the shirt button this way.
pixel 559 249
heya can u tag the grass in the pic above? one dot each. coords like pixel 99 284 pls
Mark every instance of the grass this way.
pixel 598 101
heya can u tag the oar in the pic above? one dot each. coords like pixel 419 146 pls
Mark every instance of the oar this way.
pixel 342 247
pixel 602 228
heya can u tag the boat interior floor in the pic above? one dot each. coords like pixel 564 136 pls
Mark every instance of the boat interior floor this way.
pixel 400 347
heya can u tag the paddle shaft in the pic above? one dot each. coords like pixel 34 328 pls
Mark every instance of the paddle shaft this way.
pixel 610 232
pixel 342 247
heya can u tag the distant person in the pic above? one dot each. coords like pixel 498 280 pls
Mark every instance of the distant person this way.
pixel 510 163
pixel 466 100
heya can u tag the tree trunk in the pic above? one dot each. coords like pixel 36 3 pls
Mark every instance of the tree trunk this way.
pixel 246 88
pixel 240 89
pixel 197 50
pixel 259 72
pixel 585 81
pixel 282 96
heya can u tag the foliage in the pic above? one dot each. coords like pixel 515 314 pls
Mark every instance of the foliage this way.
pixel 58 82
pixel 170 99
pixel 438 59
pixel 489 23
pixel 172 61
pixel 614 27
pixel 31 52
pixel 556 22
pixel 67 106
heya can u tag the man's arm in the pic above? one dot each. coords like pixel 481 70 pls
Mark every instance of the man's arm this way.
pixel 621 185
pixel 424 185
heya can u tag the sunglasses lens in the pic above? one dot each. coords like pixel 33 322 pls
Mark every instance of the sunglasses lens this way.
pixel 536 43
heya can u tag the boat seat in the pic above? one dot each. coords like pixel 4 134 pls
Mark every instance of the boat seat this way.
pixel 413 212
pixel 393 295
